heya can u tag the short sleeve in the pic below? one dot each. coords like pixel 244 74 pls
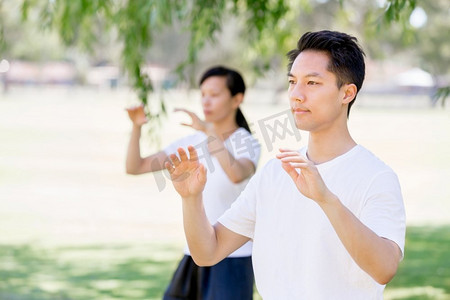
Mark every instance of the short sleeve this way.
pixel 193 139
pixel 242 144
pixel 241 216
pixel 172 147
pixel 384 211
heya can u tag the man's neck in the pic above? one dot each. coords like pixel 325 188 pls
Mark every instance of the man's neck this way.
pixel 325 146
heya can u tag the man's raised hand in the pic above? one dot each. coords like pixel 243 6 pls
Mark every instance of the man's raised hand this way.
pixel 304 174
pixel 187 173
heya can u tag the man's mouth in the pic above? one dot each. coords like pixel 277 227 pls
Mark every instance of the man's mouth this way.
pixel 299 110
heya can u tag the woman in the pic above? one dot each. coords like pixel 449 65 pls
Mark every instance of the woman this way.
pixel 230 154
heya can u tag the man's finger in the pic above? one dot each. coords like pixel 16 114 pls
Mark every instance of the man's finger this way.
pixel 193 153
pixel 183 155
pixel 293 159
pixel 201 175
pixel 286 150
pixel 287 154
pixel 169 167
pixel 290 170
pixel 174 158
pixel 299 165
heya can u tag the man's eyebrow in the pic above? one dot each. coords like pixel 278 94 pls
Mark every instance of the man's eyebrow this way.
pixel 313 74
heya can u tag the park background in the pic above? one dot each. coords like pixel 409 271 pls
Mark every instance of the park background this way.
pixel 73 225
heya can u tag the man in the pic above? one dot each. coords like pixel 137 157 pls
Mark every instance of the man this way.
pixel 327 221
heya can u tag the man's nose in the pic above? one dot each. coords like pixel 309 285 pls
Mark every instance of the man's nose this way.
pixel 296 93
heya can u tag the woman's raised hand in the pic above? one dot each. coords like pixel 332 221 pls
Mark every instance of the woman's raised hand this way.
pixel 137 115
pixel 197 123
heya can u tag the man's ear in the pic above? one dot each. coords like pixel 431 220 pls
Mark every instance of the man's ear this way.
pixel 350 91
pixel 237 99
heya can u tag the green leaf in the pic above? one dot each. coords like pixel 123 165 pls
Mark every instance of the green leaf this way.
pixel 441 94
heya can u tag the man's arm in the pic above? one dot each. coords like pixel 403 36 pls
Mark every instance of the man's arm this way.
pixel 377 256
pixel 208 244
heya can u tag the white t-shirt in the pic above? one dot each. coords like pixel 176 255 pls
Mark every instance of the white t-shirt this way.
pixel 220 192
pixel 296 252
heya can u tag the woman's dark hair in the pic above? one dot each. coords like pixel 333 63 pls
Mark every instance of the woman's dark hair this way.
pixel 235 84
pixel 346 56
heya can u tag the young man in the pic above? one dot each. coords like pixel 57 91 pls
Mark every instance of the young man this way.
pixel 327 221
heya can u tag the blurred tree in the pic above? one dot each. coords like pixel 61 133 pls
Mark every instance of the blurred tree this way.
pixel 136 22
pixel 420 33
pixel 267 26
pixel 33 46
pixel 2 26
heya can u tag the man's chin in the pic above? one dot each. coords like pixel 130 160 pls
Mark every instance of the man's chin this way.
pixel 300 125
pixel 305 127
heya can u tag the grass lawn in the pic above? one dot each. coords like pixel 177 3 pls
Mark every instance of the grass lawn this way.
pixel 85 272
pixel 104 271
pixel 425 271
pixel 73 225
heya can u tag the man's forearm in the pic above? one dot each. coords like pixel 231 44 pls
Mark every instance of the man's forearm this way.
pixel 199 232
pixel 377 256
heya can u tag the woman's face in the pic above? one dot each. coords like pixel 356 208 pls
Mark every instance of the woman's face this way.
pixel 217 102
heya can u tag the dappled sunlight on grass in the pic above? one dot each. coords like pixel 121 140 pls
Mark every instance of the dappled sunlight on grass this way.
pixel 142 272
pixel 420 292
pixel 425 271
pixel 96 272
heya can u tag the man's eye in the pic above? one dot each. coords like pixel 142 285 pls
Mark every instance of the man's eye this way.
pixel 291 81
pixel 312 83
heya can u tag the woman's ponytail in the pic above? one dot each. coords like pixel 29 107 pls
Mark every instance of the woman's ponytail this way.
pixel 241 121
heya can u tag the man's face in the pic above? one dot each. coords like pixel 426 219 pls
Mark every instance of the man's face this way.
pixel 316 101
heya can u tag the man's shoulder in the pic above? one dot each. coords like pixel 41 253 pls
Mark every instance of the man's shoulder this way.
pixel 272 164
pixel 271 170
pixel 366 160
